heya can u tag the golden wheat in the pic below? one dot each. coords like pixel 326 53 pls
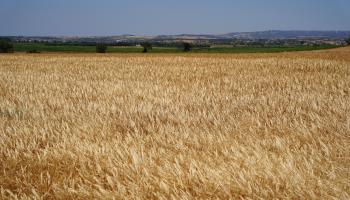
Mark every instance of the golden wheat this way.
pixel 198 126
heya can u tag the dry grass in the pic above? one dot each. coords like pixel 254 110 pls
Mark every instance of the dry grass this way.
pixel 77 126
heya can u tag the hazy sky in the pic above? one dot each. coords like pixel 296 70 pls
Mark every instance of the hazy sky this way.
pixel 153 17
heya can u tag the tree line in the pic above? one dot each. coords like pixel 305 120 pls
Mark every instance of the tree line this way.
pixel 6 45
pixel 147 46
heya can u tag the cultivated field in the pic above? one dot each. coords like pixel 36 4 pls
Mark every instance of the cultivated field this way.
pixel 175 126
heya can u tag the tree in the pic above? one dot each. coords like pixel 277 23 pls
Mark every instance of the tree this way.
pixel 348 41
pixel 101 48
pixel 187 47
pixel 6 46
pixel 146 46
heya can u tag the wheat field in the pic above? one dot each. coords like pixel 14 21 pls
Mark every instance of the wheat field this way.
pixel 175 126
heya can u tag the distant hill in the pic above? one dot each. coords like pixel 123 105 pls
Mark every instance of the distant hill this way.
pixel 276 34
pixel 270 35
pixel 267 35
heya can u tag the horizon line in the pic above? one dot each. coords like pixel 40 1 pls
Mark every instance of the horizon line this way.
pixel 154 35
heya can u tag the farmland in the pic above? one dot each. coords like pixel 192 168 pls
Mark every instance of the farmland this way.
pixel 175 126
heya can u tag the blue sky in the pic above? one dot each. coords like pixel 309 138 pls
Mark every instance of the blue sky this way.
pixel 154 17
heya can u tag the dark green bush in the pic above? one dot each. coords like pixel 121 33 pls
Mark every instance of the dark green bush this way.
pixel 33 51
pixel 348 41
pixel 146 46
pixel 6 46
pixel 101 48
pixel 187 47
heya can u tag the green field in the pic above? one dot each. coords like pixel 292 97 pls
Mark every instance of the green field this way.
pixel 25 47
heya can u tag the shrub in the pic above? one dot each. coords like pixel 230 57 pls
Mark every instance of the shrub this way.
pixel 101 48
pixel 348 41
pixel 6 46
pixel 146 46
pixel 187 47
pixel 33 51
